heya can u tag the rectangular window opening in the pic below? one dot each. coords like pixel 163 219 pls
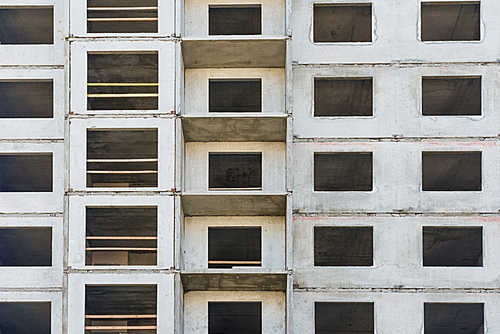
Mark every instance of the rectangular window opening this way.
pixel 115 16
pixel 453 246
pixel 463 318
pixel 235 19
pixel 30 25
pixel 235 95
pixel 451 96
pixel 122 158
pixel 235 317
pixel 122 81
pixel 235 171
pixel 132 308
pixel 451 171
pixel 26 172
pixel 343 246
pixel 26 247
pixel 334 318
pixel 26 99
pixel 343 97
pixel 234 247
pixel 342 23
pixel 455 21
pixel 25 317
pixel 121 236
pixel 343 171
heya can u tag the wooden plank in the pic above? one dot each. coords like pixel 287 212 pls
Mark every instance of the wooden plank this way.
pixel 122 160
pixel 121 84
pixel 255 188
pixel 125 95
pixel 120 249
pixel 123 19
pixel 128 316
pixel 122 172
pixel 120 327
pixel 234 262
pixel 120 238
pixel 121 8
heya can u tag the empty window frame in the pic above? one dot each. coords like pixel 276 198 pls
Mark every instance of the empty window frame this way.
pixel 135 16
pixel 342 23
pixel 234 246
pixel 127 308
pixel 27 246
pixel 26 99
pixel 30 25
pixel 444 318
pixel 235 19
pixel 451 171
pixel 343 246
pixel 235 317
pixel 454 21
pixel 25 317
pixel 26 172
pixel 122 81
pixel 453 246
pixel 121 236
pixel 334 318
pixel 235 95
pixel 451 96
pixel 122 158
pixel 343 171
pixel 335 97
pixel 235 171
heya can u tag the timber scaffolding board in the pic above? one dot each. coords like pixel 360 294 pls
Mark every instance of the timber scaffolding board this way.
pixel 120 317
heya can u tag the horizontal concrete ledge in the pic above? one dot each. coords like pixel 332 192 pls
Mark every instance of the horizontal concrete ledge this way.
pixel 230 51
pixel 234 204
pixel 233 282
pixel 145 37
pixel 350 291
pixel 234 128
pixel 120 192
pixel 121 271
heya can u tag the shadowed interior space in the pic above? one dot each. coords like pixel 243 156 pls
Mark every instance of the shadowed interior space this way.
pixel 235 95
pixel 451 96
pixel 33 25
pixel 235 317
pixel 453 318
pixel 343 246
pixel 345 318
pixel 26 247
pixel 122 81
pixel 26 99
pixel 453 246
pixel 342 23
pixel 234 247
pixel 122 16
pixel 343 97
pixel 122 158
pixel 235 171
pixel 343 171
pixel 25 317
pixel 235 19
pixel 451 171
pixel 121 236
pixel 26 172
pixel 126 308
pixel 454 21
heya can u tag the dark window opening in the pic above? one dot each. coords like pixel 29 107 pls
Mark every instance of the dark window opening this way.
pixel 234 246
pixel 122 81
pixel 25 317
pixel 26 172
pixel 235 317
pixel 122 236
pixel 451 96
pixel 26 247
pixel 343 23
pixel 122 158
pixel 453 246
pixel 26 99
pixel 343 246
pixel 451 171
pixel 235 95
pixel 115 16
pixel 235 171
pixel 343 171
pixel 27 25
pixel 235 20
pixel 451 318
pixel 334 318
pixel 451 21
pixel 129 307
pixel 343 97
